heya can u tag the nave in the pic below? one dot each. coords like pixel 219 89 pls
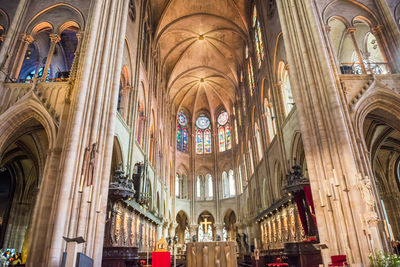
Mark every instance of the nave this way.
pixel 199 133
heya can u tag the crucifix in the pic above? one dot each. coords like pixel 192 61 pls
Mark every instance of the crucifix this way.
pixel 206 223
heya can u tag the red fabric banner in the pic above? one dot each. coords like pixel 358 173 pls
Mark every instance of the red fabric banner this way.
pixel 302 212
pixel 161 259
pixel 309 198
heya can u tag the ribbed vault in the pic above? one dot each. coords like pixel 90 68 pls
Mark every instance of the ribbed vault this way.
pixel 201 47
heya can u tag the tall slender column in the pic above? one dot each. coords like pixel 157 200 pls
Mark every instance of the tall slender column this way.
pixel 54 39
pixel 384 48
pixel 26 40
pixel 351 31
pixel 11 38
pixel 329 140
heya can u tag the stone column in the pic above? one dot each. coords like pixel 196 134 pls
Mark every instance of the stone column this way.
pixel 383 46
pixel 351 31
pixel 159 231
pixel 26 40
pixel 11 39
pixel 54 39
pixel 329 141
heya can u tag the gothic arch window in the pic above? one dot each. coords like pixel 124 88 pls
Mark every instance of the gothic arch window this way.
pixel 224 132
pixel 225 185
pixel 209 187
pixel 228 184
pixel 250 76
pixel 232 190
pixel 357 49
pixel 203 135
pixel 251 157
pixel 258 140
pixel 181 186
pixel 240 180
pixel 268 114
pixel 204 187
pixel 140 119
pixel 182 133
pixel 286 89
pixel 259 45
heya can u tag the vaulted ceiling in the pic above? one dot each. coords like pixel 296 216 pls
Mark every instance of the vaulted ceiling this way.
pixel 201 45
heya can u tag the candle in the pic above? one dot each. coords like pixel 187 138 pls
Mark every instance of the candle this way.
pixel 81 183
pixel 255 243
pixel 321 197
pixel 90 194
pixel 335 178
pixel 99 205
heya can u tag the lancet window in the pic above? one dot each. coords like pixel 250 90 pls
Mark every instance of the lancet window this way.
pixel 204 187
pixel 259 45
pixel 228 184
pixel 181 186
pixel 182 133
pixel 224 132
pixel 203 135
pixel 250 76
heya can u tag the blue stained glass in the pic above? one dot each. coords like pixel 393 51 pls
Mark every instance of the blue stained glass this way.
pixel 223 118
pixel 178 138
pixel 185 147
pixel 202 122
pixel 207 141
pixel 182 119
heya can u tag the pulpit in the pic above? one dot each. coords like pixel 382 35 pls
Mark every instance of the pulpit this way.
pixel 211 254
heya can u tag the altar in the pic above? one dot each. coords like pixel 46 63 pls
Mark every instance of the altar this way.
pixel 211 254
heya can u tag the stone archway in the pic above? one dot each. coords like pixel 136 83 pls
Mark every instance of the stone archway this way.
pixel 382 140
pixel 22 166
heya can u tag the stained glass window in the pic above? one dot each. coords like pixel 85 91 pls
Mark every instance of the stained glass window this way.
pixel 203 135
pixel 199 142
pixel 223 118
pixel 207 141
pixel 182 119
pixel 236 133
pixel 228 137
pixel 254 15
pixel 185 140
pixel 251 76
pixel 202 122
pixel 258 38
pixel 182 133
pixel 221 138
pixel 178 138
pixel 224 132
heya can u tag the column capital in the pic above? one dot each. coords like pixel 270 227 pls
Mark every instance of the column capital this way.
pixel 27 38
pixel 328 28
pixel 351 29
pixel 377 29
pixel 79 35
pixel 54 38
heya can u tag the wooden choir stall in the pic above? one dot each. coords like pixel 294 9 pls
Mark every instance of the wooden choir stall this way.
pixel 131 230
pixel 288 227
